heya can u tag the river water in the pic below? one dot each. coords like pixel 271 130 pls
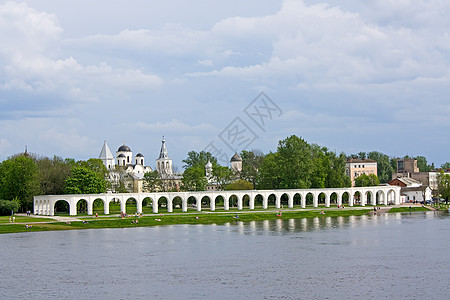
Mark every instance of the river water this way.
pixel 392 256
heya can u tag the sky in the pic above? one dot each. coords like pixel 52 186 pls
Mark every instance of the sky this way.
pixel 224 76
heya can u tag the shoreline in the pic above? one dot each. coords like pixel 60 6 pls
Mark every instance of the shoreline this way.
pixel 206 217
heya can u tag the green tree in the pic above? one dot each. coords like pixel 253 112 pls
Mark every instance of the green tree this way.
pixel 239 185
pixel 269 176
pixel 84 181
pixel 222 175
pixel 251 165
pixel 9 206
pixel 384 166
pixel 294 163
pixel 445 166
pixel 367 180
pixel 19 180
pixel 444 185
pixel 152 182
pixel 198 159
pixel 52 174
pixel 194 179
pixel 336 177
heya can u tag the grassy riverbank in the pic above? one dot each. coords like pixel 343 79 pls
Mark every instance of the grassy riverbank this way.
pixel 407 209
pixel 173 219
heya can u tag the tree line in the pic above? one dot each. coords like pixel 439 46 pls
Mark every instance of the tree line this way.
pixel 295 164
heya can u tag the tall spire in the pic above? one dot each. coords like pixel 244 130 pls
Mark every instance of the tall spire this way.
pixel 163 153
pixel 105 153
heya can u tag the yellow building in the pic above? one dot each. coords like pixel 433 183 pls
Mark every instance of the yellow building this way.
pixel 355 167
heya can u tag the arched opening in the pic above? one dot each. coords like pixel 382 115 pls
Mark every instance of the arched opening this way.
pixel 177 204
pixel 284 200
pixel 61 208
pixel 333 199
pixel 345 197
pixel 391 197
pixel 309 199
pixel 369 198
pixel 98 207
pixel 114 206
pixel 206 201
pixel 147 205
pixel 246 201
pixel 271 201
pixel 192 202
pixel 380 198
pixel 233 201
pixel 297 200
pixel 162 204
pixel 258 201
pixel 82 207
pixel 219 201
pixel 357 198
pixel 131 206
pixel 321 199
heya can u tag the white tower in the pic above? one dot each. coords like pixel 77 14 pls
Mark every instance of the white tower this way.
pixel 124 155
pixel 164 163
pixel 107 157
pixel 208 169
pixel 139 159
pixel 236 163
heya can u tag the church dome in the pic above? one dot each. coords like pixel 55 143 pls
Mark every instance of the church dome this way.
pixel 236 157
pixel 209 165
pixel 139 155
pixel 124 148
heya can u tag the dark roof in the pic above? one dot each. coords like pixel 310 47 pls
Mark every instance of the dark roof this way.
pixel 357 160
pixel 139 155
pixel 124 148
pixel 121 155
pixel 236 157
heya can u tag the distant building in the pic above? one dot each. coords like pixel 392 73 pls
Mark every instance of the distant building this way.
pixel 412 190
pixel 407 168
pixel 355 167
pixel 131 172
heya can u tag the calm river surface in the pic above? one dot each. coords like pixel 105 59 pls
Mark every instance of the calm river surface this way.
pixel 393 256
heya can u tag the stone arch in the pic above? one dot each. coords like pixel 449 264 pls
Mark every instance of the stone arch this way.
pixel 258 200
pixel 114 205
pixel 272 200
pixel 177 203
pixel 297 199
pixel 345 198
pixel 60 207
pixel 284 200
pixel 390 197
pixel 380 197
pixel 131 206
pixel 246 200
pixel 321 198
pixel 192 202
pixel 369 198
pixel 219 200
pixel 309 198
pixel 233 201
pixel 98 206
pixel 163 203
pixel 206 201
pixel 82 206
pixel 334 198
pixel 356 198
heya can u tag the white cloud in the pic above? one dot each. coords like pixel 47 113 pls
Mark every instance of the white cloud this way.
pixel 177 126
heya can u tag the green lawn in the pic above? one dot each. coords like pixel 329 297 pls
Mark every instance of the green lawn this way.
pixel 171 219
pixel 22 219
pixel 407 209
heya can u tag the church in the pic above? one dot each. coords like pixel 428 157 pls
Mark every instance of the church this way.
pixel 126 173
